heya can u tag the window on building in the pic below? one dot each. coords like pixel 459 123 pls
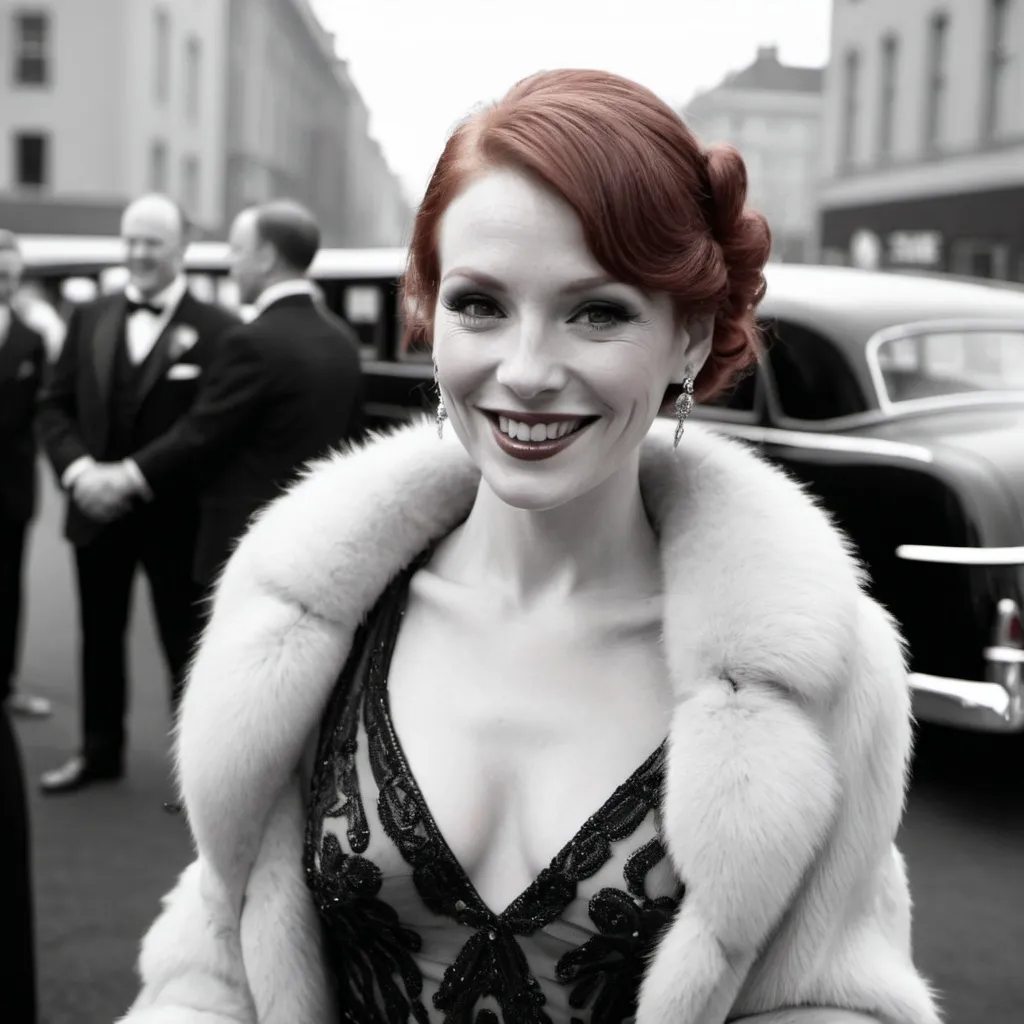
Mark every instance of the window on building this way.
pixel 193 77
pixel 851 98
pixel 190 183
pixel 1001 67
pixel 936 93
pixel 31 159
pixel 158 165
pixel 161 55
pixel 31 48
pixel 887 111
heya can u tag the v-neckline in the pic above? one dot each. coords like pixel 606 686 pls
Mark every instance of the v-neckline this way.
pixel 378 689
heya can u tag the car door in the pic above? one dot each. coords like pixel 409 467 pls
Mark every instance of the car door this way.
pixel 881 493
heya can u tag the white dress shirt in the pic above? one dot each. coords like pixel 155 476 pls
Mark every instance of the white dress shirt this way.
pixel 5 322
pixel 143 328
pixel 283 290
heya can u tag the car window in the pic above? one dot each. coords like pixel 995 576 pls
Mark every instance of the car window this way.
pixel 739 398
pixel 364 306
pixel 951 362
pixel 812 378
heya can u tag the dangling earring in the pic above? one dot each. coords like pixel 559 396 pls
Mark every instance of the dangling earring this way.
pixel 442 412
pixel 684 406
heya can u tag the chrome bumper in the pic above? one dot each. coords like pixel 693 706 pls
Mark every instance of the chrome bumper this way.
pixel 995 705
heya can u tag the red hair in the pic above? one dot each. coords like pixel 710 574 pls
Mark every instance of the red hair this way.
pixel 658 211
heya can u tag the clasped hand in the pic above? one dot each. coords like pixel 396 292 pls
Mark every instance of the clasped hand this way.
pixel 104 492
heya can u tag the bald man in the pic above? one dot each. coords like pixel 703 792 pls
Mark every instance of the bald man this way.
pixel 129 369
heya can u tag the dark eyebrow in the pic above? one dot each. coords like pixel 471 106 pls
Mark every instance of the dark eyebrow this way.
pixel 486 281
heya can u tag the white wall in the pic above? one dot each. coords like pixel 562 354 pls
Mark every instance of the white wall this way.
pixel 80 108
pixel 101 110
pixel 863 25
pixel 147 118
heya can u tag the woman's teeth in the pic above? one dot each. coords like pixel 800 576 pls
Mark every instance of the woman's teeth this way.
pixel 536 432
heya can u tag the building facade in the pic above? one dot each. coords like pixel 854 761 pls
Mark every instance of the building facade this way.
pixel 924 148
pixel 220 103
pixel 297 126
pixel 102 101
pixel 771 112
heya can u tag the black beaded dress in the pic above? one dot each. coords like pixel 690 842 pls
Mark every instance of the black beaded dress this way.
pixel 407 936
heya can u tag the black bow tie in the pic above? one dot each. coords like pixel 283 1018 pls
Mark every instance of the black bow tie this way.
pixel 134 307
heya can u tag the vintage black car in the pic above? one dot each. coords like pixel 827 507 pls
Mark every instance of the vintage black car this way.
pixel 898 400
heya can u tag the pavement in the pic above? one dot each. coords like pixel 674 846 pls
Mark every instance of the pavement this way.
pixel 104 856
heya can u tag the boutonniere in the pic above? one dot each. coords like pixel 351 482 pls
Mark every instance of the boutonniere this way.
pixel 25 370
pixel 183 337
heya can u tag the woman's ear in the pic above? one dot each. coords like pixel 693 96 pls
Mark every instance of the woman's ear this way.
pixel 694 346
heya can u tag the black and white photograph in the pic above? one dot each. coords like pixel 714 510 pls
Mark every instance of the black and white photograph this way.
pixel 511 513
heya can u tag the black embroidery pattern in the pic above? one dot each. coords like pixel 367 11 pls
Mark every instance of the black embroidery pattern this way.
pixel 607 969
pixel 369 944
pixel 366 940
pixel 491 963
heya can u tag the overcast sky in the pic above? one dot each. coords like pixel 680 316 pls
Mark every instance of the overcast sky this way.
pixel 421 65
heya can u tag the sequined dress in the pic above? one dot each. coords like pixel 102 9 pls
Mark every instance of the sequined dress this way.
pixel 407 936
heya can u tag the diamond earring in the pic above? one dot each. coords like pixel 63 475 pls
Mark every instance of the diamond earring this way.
pixel 684 406
pixel 442 412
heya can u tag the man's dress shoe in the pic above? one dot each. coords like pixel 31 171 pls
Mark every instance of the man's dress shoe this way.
pixel 77 773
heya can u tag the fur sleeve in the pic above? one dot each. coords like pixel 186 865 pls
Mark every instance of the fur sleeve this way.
pixel 845 941
pixel 202 964
pixel 781 815
pixel 191 960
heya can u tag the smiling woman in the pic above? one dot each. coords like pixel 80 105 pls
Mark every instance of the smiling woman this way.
pixel 654 209
pixel 563 719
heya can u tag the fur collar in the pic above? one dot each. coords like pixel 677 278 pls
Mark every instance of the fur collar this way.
pixel 787 749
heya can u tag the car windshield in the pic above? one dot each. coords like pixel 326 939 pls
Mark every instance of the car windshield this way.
pixel 945 363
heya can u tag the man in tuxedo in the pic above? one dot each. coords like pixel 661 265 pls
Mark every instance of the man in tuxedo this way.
pixel 281 390
pixel 22 360
pixel 129 369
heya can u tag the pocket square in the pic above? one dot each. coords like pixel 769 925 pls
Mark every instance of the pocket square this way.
pixel 183 371
pixel 25 370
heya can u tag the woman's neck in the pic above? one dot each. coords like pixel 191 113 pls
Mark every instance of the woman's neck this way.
pixel 600 544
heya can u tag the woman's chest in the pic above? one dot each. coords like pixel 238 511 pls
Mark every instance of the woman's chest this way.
pixel 517 729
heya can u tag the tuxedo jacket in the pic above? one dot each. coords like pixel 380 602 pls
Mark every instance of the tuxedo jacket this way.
pixel 22 364
pixel 75 415
pixel 280 391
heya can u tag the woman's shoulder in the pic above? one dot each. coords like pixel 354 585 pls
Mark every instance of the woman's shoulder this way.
pixel 716 478
pixel 756 567
pixel 355 517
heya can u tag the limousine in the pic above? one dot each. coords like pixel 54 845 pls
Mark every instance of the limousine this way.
pixel 897 399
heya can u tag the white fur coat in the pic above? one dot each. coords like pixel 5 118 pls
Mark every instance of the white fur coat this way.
pixel 787 755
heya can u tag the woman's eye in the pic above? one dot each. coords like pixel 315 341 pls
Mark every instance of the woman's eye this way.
pixel 477 309
pixel 472 308
pixel 600 316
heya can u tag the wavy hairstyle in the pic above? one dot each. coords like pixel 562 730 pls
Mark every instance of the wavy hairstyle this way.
pixel 658 211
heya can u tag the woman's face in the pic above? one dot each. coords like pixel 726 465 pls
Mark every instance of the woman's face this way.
pixel 551 372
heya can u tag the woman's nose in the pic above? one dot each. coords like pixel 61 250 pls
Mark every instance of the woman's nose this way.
pixel 533 365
